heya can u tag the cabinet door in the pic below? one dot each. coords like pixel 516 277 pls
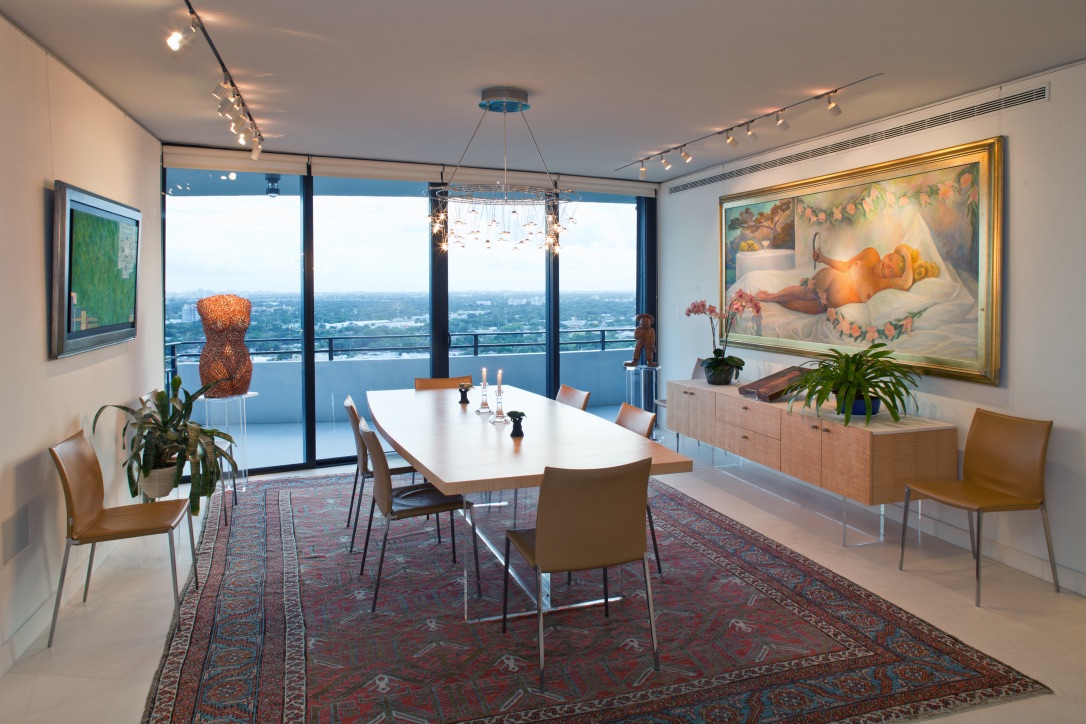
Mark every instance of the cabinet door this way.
pixel 846 461
pixel 750 415
pixel 762 449
pixel 692 412
pixel 801 447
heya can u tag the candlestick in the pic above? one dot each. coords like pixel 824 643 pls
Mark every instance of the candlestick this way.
pixel 499 417
pixel 484 377
pixel 484 409
pixel 499 381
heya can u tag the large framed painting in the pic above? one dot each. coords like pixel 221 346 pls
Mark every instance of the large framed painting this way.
pixel 905 252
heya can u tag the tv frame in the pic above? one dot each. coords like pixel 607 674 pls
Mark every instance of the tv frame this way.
pixel 63 342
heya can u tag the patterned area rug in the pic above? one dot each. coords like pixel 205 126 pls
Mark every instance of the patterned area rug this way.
pixel 749 630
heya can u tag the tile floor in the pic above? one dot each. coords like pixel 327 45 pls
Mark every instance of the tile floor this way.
pixel 107 650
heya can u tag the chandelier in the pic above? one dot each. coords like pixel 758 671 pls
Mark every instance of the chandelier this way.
pixel 501 215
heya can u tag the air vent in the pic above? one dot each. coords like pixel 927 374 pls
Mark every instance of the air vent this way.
pixel 1000 104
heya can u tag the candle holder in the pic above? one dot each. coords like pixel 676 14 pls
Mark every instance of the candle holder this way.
pixel 499 417
pixel 484 409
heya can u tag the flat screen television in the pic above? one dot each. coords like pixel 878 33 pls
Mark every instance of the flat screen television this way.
pixel 95 260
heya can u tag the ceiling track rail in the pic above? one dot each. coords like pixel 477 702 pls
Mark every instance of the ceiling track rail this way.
pixel 962 114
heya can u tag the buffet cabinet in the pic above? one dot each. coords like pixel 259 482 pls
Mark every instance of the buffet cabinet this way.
pixel 869 464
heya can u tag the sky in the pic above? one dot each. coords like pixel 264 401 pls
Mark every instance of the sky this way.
pixel 374 244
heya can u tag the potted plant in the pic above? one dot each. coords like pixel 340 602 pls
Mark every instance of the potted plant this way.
pixel 721 367
pixel 858 382
pixel 164 438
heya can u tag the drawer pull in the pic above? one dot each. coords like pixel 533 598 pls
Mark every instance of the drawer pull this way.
pixel 826 430
pixel 814 427
pixel 743 437
pixel 745 407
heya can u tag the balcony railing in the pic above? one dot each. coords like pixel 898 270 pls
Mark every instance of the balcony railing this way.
pixel 462 344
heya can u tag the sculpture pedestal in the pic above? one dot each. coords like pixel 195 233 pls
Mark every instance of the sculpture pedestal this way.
pixel 228 414
pixel 641 387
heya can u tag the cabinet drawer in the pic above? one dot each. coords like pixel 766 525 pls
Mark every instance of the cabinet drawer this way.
pixel 749 415
pixel 762 449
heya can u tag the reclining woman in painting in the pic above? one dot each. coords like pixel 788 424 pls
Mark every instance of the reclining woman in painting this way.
pixel 855 280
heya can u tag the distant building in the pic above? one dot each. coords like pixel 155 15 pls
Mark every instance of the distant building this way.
pixel 189 314
pixel 516 302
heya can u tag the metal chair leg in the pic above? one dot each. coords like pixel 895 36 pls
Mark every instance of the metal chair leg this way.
pixel 652 616
pixel 437 519
pixel 539 620
pixel 1048 541
pixel 192 545
pixel 173 579
pixel 358 510
pixel 369 527
pixel 354 488
pixel 380 564
pixel 475 549
pixel 606 598
pixel 60 590
pixel 505 586
pixel 655 548
pixel 972 535
pixel 452 534
pixel 980 521
pixel 90 567
pixel 904 528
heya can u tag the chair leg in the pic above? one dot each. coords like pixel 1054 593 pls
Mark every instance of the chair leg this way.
pixel 904 528
pixel 452 534
pixel 380 564
pixel 652 615
pixel 475 550
pixel 354 489
pixel 192 545
pixel 90 567
pixel 437 519
pixel 569 578
pixel 539 620
pixel 173 579
pixel 1048 540
pixel 606 598
pixel 980 521
pixel 655 548
pixel 505 586
pixel 972 534
pixel 60 590
pixel 358 511
pixel 369 527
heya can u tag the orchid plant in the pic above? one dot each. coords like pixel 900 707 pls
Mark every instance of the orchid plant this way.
pixel 740 301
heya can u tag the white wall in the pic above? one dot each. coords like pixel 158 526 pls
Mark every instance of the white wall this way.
pixel 1043 296
pixel 54 126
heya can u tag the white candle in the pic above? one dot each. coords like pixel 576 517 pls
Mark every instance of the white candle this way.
pixel 484 378
pixel 499 381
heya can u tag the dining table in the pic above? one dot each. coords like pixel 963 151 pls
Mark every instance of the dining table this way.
pixel 461 449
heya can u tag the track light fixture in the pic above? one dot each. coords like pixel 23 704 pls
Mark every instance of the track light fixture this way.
pixel 748 126
pixel 642 172
pixel 231 105
pixel 831 105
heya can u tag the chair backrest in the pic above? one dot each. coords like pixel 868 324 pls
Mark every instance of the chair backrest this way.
pixel 81 477
pixel 699 371
pixel 1007 454
pixel 636 419
pixel 591 518
pixel 573 397
pixel 440 383
pixel 359 444
pixel 382 478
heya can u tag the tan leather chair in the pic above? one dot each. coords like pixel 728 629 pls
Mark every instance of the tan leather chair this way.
pixel 440 383
pixel 573 397
pixel 89 521
pixel 1004 470
pixel 409 501
pixel 697 374
pixel 642 422
pixel 397 465
pixel 586 519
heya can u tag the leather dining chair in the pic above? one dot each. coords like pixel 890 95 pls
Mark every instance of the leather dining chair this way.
pixel 1003 470
pixel 409 501
pixel 397 466
pixel 440 383
pixel 573 397
pixel 586 519
pixel 642 422
pixel 697 374
pixel 89 521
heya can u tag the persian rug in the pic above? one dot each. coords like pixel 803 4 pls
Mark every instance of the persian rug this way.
pixel 280 629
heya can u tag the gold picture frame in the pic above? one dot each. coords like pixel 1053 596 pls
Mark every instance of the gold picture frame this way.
pixel 906 252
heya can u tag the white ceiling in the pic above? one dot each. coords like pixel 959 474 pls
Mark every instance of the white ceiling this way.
pixel 610 81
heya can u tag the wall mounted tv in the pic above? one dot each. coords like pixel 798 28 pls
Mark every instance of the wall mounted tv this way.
pixel 95 260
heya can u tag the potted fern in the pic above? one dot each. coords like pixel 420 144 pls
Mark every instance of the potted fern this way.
pixel 858 383
pixel 164 438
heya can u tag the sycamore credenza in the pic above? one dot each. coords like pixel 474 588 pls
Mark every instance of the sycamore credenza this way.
pixel 868 464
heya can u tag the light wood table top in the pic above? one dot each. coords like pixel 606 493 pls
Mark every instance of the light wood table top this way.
pixel 461 452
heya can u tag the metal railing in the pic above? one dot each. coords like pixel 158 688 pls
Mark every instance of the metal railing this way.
pixel 355 347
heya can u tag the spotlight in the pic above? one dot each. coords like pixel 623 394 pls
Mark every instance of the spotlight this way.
pixel 225 105
pixel 685 156
pixel 179 38
pixel 751 134
pixel 831 105
pixel 257 148
pixel 245 136
pixel 730 139
pixel 667 164
pixel 641 172
pixel 781 123
pixel 222 90
pixel 272 189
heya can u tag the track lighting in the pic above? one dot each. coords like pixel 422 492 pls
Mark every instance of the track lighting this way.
pixel 730 139
pixel 667 164
pixel 685 156
pixel 751 134
pixel 781 123
pixel 222 90
pixel 180 37
pixel 642 172
pixel 831 105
